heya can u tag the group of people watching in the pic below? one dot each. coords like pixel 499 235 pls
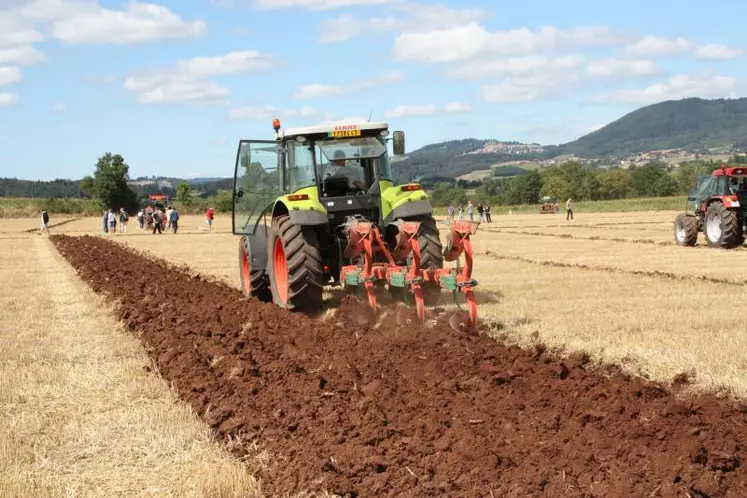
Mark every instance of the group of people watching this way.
pixel 111 219
pixel 158 219
pixel 483 212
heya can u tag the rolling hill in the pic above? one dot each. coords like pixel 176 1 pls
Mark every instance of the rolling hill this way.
pixel 688 124
pixel 692 123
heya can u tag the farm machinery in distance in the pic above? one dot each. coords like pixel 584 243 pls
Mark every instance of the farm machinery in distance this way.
pixel 316 206
pixel 716 207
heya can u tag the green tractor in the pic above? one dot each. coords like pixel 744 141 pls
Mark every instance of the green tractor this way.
pixel 300 200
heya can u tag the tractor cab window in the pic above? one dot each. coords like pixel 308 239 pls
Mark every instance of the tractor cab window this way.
pixel 354 159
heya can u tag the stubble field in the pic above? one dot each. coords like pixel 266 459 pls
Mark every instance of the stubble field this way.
pixel 611 285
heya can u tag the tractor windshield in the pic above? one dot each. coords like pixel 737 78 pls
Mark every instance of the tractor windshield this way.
pixel 353 150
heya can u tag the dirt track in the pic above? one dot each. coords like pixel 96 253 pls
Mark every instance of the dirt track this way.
pixel 391 412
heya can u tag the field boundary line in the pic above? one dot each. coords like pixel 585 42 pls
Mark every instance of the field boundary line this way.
pixel 578 237
pixel 611 269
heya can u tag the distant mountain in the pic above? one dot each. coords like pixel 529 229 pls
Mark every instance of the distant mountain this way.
pixel 692 124
pixel 687 124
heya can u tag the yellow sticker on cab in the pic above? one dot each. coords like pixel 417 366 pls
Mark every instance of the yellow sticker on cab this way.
pixel 345 131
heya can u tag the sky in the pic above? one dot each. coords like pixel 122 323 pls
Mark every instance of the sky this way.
pixel 172 86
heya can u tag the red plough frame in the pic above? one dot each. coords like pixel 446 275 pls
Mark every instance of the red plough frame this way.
pixel 364 242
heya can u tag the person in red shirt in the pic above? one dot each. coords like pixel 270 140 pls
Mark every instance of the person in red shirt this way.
pixel 209 218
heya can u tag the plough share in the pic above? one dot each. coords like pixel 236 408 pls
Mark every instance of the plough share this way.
pixel 365 243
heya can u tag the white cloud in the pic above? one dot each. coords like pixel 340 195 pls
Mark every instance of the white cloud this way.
pixel 136 23
pixel 320 90
pixel 59 107
pixel 269 112
pixel 315 4
pixel 403 111
pixel 656 45
pixel 716 52
pixel 621 67
pixel 519 66
pixel 187 80
pixel 8 99
pixel 468 41
pixel 10 74
pixel 412 17
pixel 22 55
pixel 676 87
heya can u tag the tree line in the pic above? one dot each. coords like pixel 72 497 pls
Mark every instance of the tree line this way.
pixel 571 179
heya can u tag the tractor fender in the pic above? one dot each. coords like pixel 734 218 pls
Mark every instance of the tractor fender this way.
pixel 256 247
pixel 307 217
pixel 409 209
pixel 303 216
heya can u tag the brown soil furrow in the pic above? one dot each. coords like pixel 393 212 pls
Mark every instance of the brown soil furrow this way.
pixel 577 237
pixel 612 269
pixel 361 410
pixel 51 225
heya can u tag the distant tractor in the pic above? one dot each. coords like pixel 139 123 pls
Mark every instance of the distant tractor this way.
pixel 715 207
pixel 548 205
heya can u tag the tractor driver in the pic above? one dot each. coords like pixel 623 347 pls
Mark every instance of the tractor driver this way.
pixel 338 169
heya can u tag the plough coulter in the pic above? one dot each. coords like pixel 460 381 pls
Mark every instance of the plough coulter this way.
pixel 377 267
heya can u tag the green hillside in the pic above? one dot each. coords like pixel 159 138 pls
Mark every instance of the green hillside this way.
pixel 694 124
pixel 689 124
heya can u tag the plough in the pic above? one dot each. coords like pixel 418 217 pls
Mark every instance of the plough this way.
pixel 365 243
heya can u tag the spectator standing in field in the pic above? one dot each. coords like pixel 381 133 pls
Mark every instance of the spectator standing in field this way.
pixel 44 222
pixel 112 221
pixel 568 209
pixel 174 219
pixel 157 220
pixel 451 211
pixel 168 217
pixel 209 216
pixel 460 212
pixel 123 219
pixel 140 215
pixel 106 221
pixel 480 212
pixel 471 211
pixel 487 213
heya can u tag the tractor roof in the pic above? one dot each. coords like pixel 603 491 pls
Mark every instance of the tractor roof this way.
pixel 329 128
pixel 733 171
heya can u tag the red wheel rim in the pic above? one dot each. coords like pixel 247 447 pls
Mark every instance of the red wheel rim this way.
pixel 245 272
pixel 280 269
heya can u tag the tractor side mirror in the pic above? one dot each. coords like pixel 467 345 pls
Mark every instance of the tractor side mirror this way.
pixel 398 143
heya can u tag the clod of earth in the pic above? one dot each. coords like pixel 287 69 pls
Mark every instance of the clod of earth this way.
pixel 363 410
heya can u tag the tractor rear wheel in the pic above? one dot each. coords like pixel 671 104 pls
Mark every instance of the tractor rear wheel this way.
pixel 294 265
pixel 431 253
pixel 722 227
pixel 685 230
pixel 254 283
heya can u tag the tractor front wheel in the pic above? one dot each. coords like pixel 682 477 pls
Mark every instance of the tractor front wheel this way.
pixel 722 227
pixel 685 230
pixel 254 283
pixel 294 265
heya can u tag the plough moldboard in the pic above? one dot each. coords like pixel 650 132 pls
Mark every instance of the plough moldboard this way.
pixel 365 243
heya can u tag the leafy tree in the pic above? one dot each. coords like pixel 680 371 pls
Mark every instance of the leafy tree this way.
pixel 110 183
pixel 184 194
pixel 615 184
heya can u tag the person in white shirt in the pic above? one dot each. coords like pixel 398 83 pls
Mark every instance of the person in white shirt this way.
pixel 168 217
pixel 112 221
pixel 338 169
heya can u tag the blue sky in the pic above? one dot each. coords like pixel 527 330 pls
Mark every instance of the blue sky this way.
pixel 173 85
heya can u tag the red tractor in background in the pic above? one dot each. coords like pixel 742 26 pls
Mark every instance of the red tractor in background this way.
pixel 715 207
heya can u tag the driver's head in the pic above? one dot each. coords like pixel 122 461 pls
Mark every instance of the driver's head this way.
pixel 338 158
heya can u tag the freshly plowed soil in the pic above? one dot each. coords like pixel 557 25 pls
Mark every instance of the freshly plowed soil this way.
pixel 365 411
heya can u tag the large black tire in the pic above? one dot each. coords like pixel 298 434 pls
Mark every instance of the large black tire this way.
pixel 431 253
pixel 722 227
pixel 254 283
pixel 685 230
pixel 294 265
